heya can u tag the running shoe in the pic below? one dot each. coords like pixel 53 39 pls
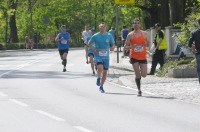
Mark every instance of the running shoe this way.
pixel 139 93
pixel 98 82
pixel 64 69
pixel 101 89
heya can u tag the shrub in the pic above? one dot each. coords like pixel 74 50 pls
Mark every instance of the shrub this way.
pixel 179 64
pixel 22 46
pixel 41 46
pixel 2 46
pixel 187 27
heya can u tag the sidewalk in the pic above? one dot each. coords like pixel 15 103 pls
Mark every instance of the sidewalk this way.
pixel 184 89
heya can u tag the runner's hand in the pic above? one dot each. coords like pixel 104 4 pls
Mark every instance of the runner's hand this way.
pixel 95 51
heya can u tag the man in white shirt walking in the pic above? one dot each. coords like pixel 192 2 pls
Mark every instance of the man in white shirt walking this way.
pixel 85 34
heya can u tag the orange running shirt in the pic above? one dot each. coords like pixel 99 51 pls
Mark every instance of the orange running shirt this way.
pixel 139 52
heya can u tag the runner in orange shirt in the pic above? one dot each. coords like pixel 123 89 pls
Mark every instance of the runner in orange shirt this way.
pixel 137 42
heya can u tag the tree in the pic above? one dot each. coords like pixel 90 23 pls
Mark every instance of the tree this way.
pixel 176 16
pixel 13 26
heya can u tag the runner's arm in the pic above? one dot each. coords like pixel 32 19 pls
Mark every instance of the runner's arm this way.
pixel 127 42
pixel 83 36
pixel 147 40
pixel 57 38
pixel 112 47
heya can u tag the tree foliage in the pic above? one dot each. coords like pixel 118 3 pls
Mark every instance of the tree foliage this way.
pixel 20 18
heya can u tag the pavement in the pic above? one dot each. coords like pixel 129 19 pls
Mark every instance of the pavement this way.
pixel 122 74
pixel 181 89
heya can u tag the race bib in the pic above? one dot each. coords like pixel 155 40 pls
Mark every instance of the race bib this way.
pixel 103 52
pixel 139 48
pixel 64 42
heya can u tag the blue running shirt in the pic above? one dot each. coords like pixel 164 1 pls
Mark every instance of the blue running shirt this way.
pixel 63 44
pixel 102 44
pixel 93 44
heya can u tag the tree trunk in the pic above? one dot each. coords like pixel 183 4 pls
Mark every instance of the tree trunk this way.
pixel 164 14
pixel 13 26
pixel 176 11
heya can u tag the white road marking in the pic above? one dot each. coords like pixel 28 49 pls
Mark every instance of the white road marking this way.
pixel 129 88
pixel 50 115
pixel 46 65
pixel 19 103
pixel 82 129
pixel 3 95
pixel 24 65
pixel 5 66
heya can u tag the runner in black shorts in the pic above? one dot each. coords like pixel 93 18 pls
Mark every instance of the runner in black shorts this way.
pixel 63 45
pixel 133 60
pixel 90 52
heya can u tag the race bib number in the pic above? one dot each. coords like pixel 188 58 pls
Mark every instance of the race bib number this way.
pixel 64 42
pixel 103 52
pixel 139 49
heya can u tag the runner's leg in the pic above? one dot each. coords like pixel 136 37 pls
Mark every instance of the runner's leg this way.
pixel 143 68
pixel 92 63
pixel 65 61
pixel 99 73
pixel 86 53
pixel 136 67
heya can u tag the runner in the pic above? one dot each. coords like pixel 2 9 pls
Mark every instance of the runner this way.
pixel 137 42
pixel 104 43
pixel 90 52
pixel 63 45
pixel 86 33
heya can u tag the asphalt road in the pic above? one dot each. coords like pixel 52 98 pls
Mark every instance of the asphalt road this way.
pixel 36 96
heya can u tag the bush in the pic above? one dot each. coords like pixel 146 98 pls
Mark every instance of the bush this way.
pixel 179 64
pixel 187 27
pixel 51 46
pixel 41 46
pixel 22 46
pixel 2 47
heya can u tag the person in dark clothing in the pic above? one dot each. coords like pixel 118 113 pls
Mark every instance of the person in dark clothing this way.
pixel 194 43
pixel 160 48
pixel 124 34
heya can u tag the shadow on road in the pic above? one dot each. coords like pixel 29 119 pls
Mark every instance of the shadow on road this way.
pixel 119 93
pixel 158 97
pixel 44 75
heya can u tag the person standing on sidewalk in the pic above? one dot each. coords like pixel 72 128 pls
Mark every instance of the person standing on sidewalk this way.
pixel 124 34
pixel 112 31
pixel 63 45
pixel 29 43
pixel 137 42
pixel 86 33
pixel 104 43
pixel 194 43
pixel 90 52
pixel 160 44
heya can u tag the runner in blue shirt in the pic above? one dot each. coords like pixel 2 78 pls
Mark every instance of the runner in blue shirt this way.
pixel 90 52
pixel 104 43
pixel 63 45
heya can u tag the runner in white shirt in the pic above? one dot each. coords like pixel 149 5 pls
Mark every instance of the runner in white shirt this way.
pixel 85 34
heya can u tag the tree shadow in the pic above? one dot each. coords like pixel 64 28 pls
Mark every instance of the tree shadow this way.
pixel 18 74
pixel 158 97
pixel 118 93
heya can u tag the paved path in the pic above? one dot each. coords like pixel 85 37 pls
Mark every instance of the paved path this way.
pixel 36 96
pixel 184 89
